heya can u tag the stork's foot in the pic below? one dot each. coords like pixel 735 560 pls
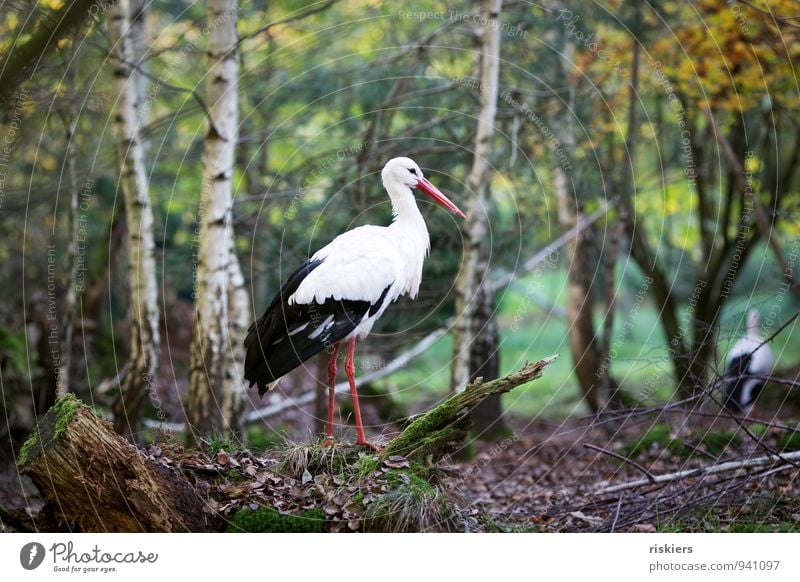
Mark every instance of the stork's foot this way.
pixel 328 442
pixel 366 443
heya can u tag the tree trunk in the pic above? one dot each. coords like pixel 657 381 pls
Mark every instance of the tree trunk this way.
pixel 143 306
pixel 474 265
pixel 581 278
pixel 239 315
pixel 581 260
pixel 487 417
pixel 210 337
pixel 71 271
pixel 101 483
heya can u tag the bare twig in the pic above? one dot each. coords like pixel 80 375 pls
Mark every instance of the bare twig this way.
pixel 650 477
pixel 703 471
pixel 294 17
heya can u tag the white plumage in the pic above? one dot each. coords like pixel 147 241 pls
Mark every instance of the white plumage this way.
pixel 749 356
pixel 344 288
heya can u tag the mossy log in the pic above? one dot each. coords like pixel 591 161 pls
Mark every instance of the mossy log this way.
pixel 99 482
pixel 441 430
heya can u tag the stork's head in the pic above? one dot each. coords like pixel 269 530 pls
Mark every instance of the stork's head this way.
pixel 406 172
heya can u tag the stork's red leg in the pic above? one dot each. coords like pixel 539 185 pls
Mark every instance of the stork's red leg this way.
pixel 350 369
pixel 331 393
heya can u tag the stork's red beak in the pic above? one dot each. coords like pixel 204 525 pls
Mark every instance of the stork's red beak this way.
pixel 440 198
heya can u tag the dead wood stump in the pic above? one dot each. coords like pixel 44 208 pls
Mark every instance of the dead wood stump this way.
pixel 98 482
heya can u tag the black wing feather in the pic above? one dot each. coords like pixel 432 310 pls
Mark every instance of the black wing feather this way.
pixel 272 352
pixel 735 379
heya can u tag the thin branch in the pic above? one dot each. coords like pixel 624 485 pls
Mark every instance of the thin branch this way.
pixel 293 18
pixel 624 459
pixel 703 471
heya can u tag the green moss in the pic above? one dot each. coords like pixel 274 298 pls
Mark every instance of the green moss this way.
pixel 51 426
pixel 267 520
pixel 422 435
pixel 716 442
pixel 789 442
pixel 657 435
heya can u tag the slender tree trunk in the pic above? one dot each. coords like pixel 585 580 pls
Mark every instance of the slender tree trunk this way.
pixel 139 217
pixel 485 363
pixel 206 403
pixel 581 260
pixel 239 314
pixel 71 278
pixel 474 265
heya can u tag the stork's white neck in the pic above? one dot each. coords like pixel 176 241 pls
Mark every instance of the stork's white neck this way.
pixel 410 232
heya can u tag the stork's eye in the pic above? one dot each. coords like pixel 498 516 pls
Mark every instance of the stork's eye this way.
pixel 413 171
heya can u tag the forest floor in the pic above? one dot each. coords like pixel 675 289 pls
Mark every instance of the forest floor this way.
pixel 540 476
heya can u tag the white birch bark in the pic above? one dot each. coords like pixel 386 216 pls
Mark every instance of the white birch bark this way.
pixel 143 306
pixel 210 338
pixel 473 263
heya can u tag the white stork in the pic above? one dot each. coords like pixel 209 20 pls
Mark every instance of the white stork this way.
pixel 343 289
pixel 748 357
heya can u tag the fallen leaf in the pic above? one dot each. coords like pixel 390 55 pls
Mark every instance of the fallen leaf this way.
pixel 397 462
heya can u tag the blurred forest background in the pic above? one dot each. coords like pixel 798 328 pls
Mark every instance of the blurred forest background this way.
pixel 641 194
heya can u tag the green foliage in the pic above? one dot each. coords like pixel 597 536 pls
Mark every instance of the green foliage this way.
pixel 218 442
pixel 267 520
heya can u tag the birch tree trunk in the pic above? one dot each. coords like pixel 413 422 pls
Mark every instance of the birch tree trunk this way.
pixel 239 314
pixel 474 264
pixel 143 306
pixel 209 362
